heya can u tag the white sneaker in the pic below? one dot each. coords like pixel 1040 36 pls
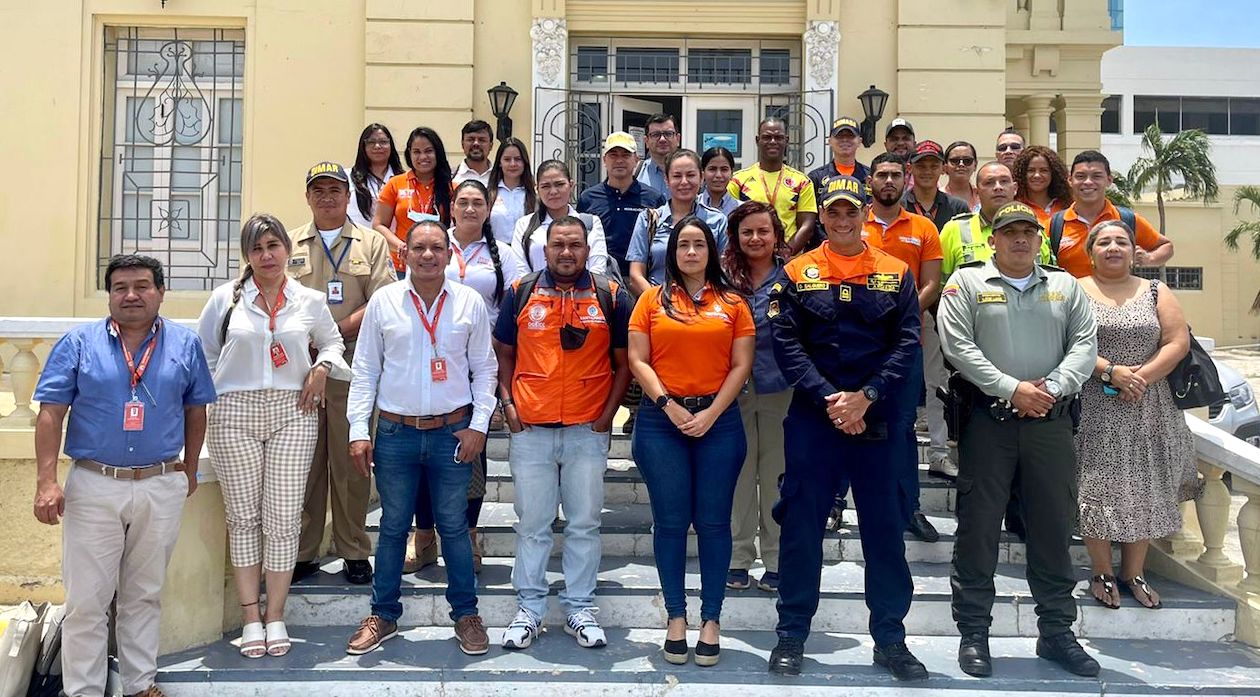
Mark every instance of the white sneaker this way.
pixel 943 465
pixel 581 625
pixel 523 630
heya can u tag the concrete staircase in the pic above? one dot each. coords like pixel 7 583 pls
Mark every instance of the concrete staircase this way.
pixel 1184 647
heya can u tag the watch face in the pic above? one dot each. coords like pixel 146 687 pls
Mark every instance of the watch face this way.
pixel 871 393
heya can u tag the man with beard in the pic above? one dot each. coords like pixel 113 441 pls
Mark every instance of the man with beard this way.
pixel 788 191
pixel 475 140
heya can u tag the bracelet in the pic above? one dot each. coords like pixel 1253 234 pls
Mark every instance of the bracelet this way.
pixel 507 402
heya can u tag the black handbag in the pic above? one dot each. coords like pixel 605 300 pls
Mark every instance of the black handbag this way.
pixel 1195 382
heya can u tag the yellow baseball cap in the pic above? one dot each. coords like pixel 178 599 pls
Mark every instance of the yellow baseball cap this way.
pixel 620 139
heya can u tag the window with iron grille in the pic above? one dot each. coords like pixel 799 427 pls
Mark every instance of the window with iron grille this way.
pixel 776 66
pixel 171 151
pixel 592 64
pixel 647 65
pixel 707 66
pixel 1176 277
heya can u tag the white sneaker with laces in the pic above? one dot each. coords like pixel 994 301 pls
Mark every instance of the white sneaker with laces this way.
pixel 523 630
pixel 944 465
pixel 581 625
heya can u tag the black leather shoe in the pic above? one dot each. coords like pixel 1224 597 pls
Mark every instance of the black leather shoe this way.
pixel 304 570
pixel 973 655
pixel 1064 650
pixel 358 571
pixel 900 662
pixel 922 528
pixel 787 657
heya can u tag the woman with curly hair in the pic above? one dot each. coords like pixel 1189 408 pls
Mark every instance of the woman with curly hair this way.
pixel 1042 182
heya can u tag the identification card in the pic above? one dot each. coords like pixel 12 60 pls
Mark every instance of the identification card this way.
pixel 278 357
pixel 133 416
pixel 336 294
pixel 437 369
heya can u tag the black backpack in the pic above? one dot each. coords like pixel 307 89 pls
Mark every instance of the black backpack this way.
pixel 1127 216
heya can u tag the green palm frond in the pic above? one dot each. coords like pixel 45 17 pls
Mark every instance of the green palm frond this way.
pixel 1186 155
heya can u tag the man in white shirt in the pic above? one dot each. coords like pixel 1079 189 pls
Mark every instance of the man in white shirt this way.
pixel 475 139
pixel 424 360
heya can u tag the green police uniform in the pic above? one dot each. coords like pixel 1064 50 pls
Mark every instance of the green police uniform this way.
pixel 965 239
pixel 997 335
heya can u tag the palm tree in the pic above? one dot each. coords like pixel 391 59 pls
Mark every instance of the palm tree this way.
pixel 1118 192
pixel 1186 155
pixel 1250 228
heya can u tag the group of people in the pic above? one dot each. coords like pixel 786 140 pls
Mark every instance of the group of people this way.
pixel 776 334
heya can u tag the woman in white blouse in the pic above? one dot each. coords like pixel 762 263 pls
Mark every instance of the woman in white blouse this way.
pixel 374 164
pixel 511 188
pixel 555 190
pixel 257 332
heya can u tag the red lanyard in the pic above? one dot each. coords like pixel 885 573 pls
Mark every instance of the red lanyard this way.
pixel 272 312
pixel 771 195
pixel 137 372
pixel 463 264
pixel 431 328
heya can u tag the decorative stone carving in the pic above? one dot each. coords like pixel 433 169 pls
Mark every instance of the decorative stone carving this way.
pixel 551 41
pixel 822 43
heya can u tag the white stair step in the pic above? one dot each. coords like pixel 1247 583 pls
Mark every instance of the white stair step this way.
pixel 427 661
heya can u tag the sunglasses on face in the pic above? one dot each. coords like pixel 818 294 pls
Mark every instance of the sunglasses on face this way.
pixel 962 161
pixel 1009 146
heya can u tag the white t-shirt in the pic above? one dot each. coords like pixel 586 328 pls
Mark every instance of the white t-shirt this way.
pixel 1020 284
pixel 536 260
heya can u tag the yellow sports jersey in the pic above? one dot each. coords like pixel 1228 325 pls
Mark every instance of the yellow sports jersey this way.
pixel 788 191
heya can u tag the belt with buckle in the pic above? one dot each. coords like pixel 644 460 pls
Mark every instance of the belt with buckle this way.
pixel 135 473
pixel 1003 410
pixel 427 423
pixel 695 404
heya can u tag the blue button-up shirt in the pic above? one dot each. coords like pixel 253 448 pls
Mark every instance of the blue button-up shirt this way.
pixel 766 376
pixel 727 204
pixel 652 176
pixel 652 252
pixel 617 211
pixel 87 371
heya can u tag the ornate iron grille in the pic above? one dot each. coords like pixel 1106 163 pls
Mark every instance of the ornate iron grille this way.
pixel 171 151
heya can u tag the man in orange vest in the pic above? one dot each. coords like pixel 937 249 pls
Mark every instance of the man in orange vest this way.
pixel 561 342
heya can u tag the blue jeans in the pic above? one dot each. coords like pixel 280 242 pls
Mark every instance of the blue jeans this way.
pixel 402 456
pixel 550 467
pixel 691 483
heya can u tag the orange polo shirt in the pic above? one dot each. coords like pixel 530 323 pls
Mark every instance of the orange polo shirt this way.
pixel 911 238
pixel 1044 214
pixel 692 354
pixel 1072 255
pixel 404 194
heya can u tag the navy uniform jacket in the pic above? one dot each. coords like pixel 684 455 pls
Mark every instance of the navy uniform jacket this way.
pixel 841 326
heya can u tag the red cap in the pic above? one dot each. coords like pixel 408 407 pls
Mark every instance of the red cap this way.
pixel 928 148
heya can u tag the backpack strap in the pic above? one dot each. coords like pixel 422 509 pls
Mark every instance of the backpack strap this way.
pixel 524 289
pixel 1056 235
pixel 1128 217
pixel 604 294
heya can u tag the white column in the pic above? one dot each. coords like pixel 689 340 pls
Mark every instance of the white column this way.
pixel 550 38
pixel 821 82
pixel 1038 109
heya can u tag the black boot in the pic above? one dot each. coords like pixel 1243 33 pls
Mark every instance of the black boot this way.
pixel 786 658
pixel 900 662
pixel 922 528
pixel 973 655
pixel 1064 650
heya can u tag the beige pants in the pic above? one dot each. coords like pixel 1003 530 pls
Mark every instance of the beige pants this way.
pixel 117 537
pixel 933 377
pixel 757 488
pixel 333 473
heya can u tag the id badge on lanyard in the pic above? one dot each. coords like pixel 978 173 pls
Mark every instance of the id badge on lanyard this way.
pixel 437 364
pixel 336 289
pixel 278 356
pixel 133 409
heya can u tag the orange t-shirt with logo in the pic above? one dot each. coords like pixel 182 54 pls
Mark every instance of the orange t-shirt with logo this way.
pixel 692 354
pixel 1072 255
pixel 911 238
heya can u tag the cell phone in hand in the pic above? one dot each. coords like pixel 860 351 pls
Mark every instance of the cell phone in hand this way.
pixel 1110 391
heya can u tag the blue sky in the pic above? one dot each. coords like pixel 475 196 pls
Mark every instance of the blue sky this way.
pixel 1217 23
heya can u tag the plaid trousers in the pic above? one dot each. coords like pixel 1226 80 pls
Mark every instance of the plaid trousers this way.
pixel 261 447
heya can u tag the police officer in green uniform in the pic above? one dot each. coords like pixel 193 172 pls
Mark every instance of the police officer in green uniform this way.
pixel 1023 339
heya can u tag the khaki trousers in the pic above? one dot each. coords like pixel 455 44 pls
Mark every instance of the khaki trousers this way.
pixel 117 537
pixel 757 488
pixel 333 473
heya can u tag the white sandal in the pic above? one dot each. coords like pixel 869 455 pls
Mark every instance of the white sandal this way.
pixel 278 643
pixel 253 640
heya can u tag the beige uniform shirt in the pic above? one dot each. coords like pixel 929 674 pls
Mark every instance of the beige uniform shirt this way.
pixel 998 336
pixel 366 267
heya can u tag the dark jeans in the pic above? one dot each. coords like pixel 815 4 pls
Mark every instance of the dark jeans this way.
pixel 819 457
pixel 403 456
pixel 691 483
pixel 424 506
pixel 1038 457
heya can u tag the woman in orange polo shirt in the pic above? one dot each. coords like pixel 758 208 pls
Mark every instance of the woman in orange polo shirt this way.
pixel 1041 181
pixel 421 193
pixel 691 347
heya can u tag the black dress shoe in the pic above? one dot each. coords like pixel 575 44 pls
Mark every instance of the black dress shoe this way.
pixel 787 657
pixel 922 528
pixel 358 571
pixel 973 655
pixel 1064 650
pixel 900 662
pixel 304 570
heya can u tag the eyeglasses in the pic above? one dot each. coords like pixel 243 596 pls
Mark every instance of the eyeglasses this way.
pixel 962 161
pixel 662 135
pixel 772 138
pixel 377 143
pixel 1010 146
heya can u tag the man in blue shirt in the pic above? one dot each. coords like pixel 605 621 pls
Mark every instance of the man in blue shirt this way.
pixel 663 138
pixel 136 388
pixel 620 198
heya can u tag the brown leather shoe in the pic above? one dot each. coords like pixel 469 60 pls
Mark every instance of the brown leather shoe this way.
pixel 471 632
pixel 153 691
pixel 372 632
pixel 421 552
pixel 477 549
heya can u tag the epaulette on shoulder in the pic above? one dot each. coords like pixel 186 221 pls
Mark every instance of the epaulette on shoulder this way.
pixel 963 216
pixel 972 264
pixel 1052 267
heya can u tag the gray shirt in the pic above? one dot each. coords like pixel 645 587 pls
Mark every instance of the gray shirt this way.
pixel 997 335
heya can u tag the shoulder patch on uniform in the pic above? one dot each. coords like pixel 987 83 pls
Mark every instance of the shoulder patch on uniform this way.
pixel 990 296
pixel 811 272
pixel 950 290
pixel 886 282
pixel 971 264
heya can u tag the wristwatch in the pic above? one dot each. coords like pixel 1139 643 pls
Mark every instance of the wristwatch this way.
pixel 1106 373
pixel 871 393
pixel 662 401
pixel 1053 388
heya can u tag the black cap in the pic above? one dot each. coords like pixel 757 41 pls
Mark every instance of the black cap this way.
pixel 332 170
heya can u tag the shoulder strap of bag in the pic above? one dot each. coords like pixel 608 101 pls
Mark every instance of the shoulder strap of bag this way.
pixel 1056 236
pixel 524 289
pixel 1128 217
